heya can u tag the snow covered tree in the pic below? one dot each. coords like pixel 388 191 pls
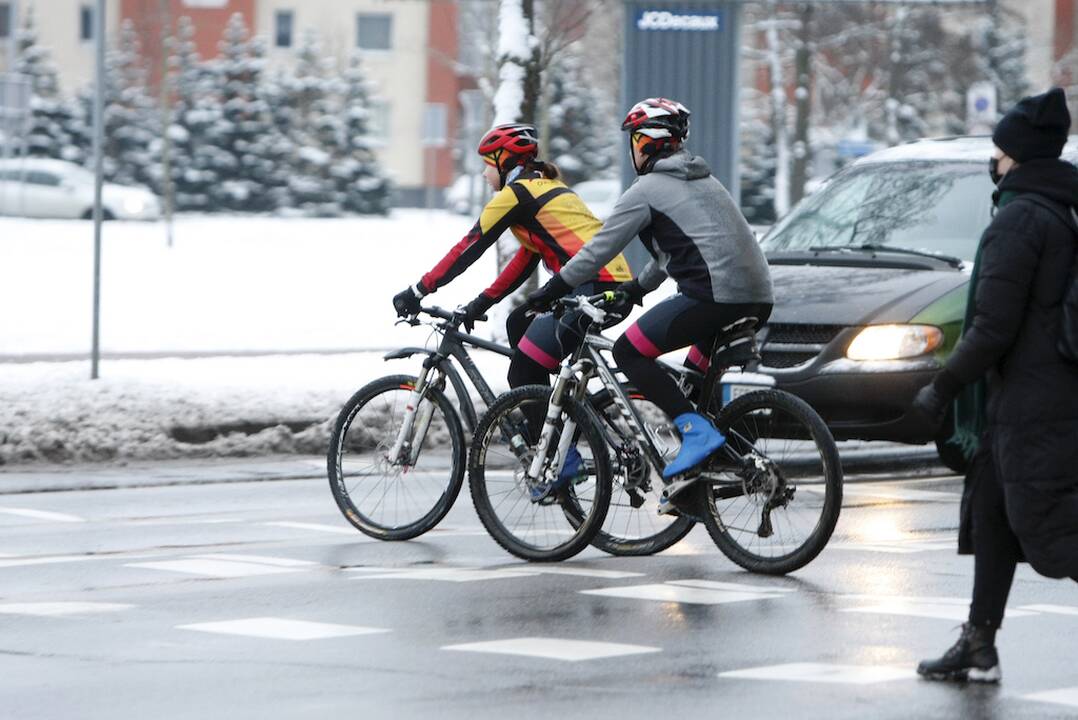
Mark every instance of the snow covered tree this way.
pixel 999 53
pixel 757 160
pixel 130 116
pixel 242 147
pixel 362 184
pixel 583 127
pixel 195 111
pixel 56 127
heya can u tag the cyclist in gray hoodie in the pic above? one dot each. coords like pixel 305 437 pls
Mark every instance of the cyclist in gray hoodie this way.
pixel 696 235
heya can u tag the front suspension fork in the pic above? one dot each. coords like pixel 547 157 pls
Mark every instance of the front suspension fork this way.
pixel 417 419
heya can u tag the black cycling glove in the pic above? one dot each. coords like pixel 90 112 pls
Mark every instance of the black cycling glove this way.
pixel 475 311
pixel 555 289
pixel 626 295
pixel 406 302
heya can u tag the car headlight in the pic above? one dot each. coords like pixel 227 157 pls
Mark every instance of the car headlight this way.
pixel 894 342
pixel 134 204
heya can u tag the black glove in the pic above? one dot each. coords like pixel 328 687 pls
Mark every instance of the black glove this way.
pixel 626 295
pixel 541 300
pixel 406 302
pixel 931 402
pixel 474 311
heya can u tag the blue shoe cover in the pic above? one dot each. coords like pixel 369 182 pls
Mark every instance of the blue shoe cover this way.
pixel 699 439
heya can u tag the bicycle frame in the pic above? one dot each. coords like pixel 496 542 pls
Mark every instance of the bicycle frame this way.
pixel 453 345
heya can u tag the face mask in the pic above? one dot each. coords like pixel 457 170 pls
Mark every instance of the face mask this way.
pixel 993 171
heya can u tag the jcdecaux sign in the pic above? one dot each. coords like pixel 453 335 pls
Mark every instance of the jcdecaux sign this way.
pixel 666 20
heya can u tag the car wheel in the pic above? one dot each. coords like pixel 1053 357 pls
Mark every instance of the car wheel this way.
pixel 106 214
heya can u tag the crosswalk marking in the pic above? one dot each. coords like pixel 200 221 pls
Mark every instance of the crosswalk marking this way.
pixel 42 515
pixel 58 609
pixel 1064 696
pixel 554 648
pixel 14 561
pixel 682 593
pixel 898 547
pixel 956 609
pixel 824 673
pixel 215 568
pixel 281 628
pixel 1052 609
pixel 260 560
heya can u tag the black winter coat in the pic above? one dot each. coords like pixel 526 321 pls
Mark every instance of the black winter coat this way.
pixel 1027 256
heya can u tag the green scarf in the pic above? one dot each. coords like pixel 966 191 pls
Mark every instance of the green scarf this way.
pixel 970 407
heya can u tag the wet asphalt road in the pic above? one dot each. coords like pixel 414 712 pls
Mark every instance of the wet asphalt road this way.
pixel 256 600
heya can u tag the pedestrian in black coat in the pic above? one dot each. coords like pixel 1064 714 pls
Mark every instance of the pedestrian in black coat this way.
pixel 1021 497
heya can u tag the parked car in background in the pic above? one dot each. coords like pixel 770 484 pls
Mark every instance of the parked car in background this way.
pixel 45 188
pixel 871 274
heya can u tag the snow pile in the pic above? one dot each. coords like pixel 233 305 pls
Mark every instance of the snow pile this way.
pixel 173 408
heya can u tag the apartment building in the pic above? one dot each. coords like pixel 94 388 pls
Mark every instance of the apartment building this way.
pixel 408 48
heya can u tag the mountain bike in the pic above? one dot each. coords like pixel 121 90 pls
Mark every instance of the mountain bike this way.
pixel 397 454
pixel 770 497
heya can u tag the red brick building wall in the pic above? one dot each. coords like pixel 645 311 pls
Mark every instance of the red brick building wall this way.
pixel 443 83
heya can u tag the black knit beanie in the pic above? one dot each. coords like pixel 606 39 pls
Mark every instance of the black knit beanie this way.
pixel 1036 127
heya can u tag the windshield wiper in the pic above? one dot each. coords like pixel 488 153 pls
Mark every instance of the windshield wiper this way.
pixel 873 247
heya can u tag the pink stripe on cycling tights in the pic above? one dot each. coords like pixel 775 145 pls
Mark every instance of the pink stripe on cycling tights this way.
pixel 537 354
pixel 697 359
pixel 640 341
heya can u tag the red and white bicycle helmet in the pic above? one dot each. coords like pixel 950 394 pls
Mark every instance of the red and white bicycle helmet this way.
pixel 656 125
pixel 510 145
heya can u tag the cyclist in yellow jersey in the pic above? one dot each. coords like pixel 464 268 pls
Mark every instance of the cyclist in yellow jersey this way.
pixel 551 223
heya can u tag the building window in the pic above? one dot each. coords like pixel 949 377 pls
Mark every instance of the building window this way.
pixel 373 32
pixel 378 123
pixel 5 19
pixel 283 33
pixel 86 23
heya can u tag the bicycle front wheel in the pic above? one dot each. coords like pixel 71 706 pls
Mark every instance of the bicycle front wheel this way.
pixel 402 499
pixel 772 496
pixel 553 528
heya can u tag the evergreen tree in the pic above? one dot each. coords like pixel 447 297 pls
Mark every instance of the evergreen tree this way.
pixel 56 128
pixel 999 53
pixel 239 135
pixel 130 116
pixel 196 111
pixel 582 140
pixel 361 183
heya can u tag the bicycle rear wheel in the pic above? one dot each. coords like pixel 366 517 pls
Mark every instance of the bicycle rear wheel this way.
pixel 394 501
pixel 550 530
pixel 633 526
pixel 773 510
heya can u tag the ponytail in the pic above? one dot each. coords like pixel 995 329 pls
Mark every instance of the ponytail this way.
pixel 548 170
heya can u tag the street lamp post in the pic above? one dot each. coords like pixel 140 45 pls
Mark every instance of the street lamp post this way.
pixel 99 142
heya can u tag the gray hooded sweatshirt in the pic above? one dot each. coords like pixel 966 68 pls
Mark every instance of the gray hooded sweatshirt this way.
pixel 693 230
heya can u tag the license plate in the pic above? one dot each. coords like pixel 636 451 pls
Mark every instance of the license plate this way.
pixel 731 391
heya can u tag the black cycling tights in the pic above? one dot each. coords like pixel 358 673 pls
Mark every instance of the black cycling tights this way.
pixel 674 323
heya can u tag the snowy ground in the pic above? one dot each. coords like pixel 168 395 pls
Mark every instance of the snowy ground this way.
pixel 227 284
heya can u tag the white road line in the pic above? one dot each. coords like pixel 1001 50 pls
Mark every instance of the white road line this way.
pixel 956 609
pixel 1052 609
pixel 47 560
pixel 214 568
pixel 824 673
pixel 318 527
pixel 584 572
pixel 281 629
pixel 259 560
pixel 1064 696
pixel 42 515
pixel 554 648
pixel 683 594
pixel 55 609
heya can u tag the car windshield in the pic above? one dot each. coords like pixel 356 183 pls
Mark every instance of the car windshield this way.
pixel 935 207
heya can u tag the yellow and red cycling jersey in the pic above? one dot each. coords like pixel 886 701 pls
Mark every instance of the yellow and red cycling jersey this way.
pixel 548 219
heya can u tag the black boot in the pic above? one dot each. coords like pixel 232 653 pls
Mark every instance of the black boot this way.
pixel 973 658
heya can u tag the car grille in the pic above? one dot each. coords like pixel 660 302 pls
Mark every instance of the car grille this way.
pixel 789 345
